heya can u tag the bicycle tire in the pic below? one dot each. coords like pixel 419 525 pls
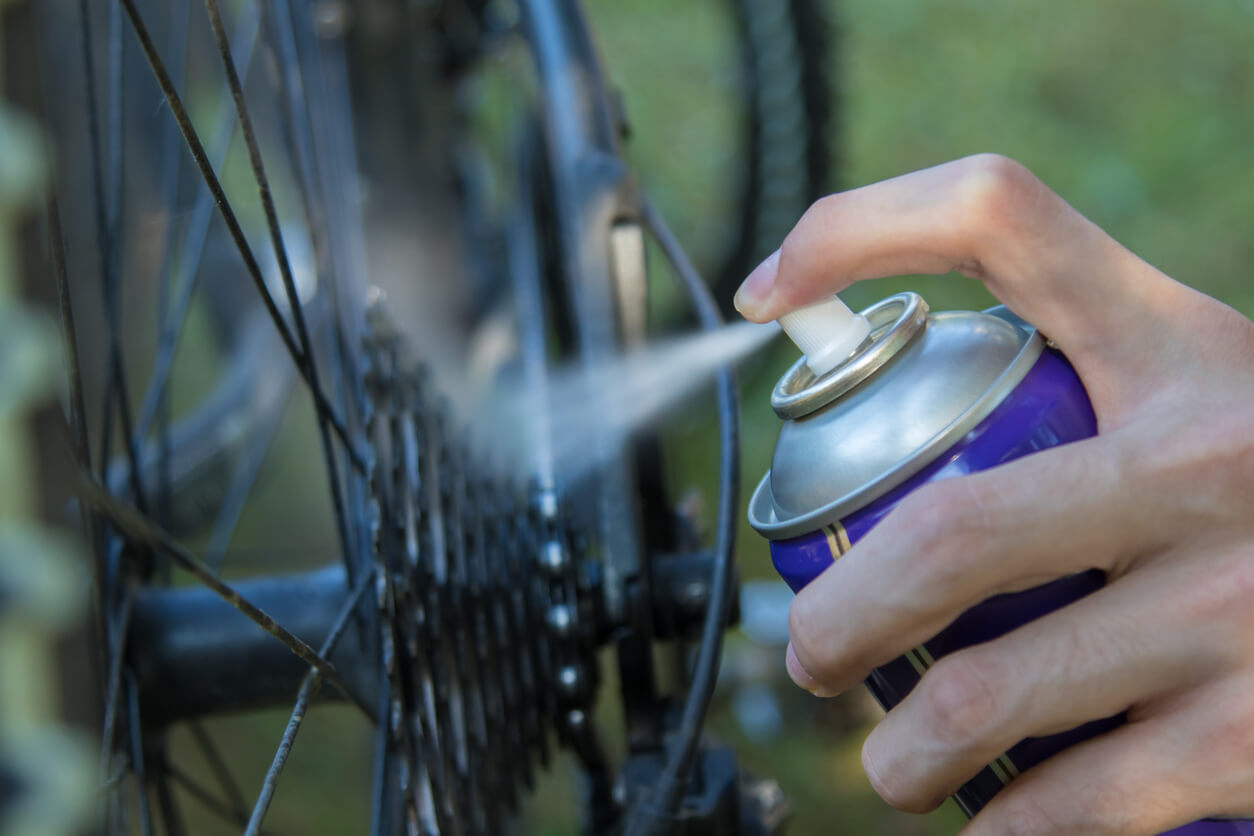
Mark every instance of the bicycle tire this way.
pixel 791 50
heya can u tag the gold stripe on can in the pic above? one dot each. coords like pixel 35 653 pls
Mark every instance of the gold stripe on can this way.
pixel 919 657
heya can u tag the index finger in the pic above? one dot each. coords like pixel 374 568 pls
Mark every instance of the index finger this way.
pixel 987 217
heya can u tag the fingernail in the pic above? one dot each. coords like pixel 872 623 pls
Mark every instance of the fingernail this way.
pixel 803 679
pixel 757 286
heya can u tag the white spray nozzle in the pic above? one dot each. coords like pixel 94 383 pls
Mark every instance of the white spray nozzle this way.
pixel 827 333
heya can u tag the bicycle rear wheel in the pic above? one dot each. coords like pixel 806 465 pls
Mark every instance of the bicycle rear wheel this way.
pixel 460 613
pixel 238 314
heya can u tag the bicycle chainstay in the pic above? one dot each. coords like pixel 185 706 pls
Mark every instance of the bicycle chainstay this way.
pixel 488 609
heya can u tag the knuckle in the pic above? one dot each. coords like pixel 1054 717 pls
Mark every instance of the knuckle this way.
pixel 808 229
pixel 816 213
pixel 800 253
pixel 1218 600
pixel 1232 450
pixel 1238 573
pixel 792 249
pixel 961 702
pixel 948 510
pixel 1239 748
pixel 1213 455
pixel 993 189
pixel 945 527
pixel 1227 738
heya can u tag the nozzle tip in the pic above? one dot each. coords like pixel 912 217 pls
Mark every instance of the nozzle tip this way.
pixel 827 333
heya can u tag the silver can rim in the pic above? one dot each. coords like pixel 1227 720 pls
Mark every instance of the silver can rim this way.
pixel 762 503
pixel 894 323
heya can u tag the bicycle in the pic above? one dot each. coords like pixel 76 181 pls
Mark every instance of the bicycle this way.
pixel 467 615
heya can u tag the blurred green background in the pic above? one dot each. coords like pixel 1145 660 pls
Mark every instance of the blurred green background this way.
pixel 1139 112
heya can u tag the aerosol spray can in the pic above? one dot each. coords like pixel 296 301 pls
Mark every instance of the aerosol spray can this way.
pixel 894 398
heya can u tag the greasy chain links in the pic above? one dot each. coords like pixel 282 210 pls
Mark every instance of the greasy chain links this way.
pixel 488 636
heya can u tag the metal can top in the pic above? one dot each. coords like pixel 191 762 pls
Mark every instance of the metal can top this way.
pixel 915 387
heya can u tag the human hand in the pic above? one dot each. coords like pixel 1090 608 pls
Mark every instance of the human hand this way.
pixel 1162 500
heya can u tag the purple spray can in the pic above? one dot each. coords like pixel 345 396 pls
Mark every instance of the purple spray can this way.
pixel 897 398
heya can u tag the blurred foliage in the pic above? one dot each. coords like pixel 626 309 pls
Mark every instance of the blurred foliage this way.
pixel 46 774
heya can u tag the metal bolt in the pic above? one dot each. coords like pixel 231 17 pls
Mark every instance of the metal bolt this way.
pixel 569 682
pixel 553 557
pixel 620 791
pixel 693 594
pixel 546 503
pixel 561 620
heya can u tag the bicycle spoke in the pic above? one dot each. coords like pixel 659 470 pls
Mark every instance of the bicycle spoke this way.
pixel 308 687
pixel 180 43
pixel 137 754
pixel 117 386
pixel 107 215
pixel 77 405
pixel 115 641
pixel 116 645
pixel 380 821
pixel 180 33
pixel 112 810
pixel 297 128
pixel 207 799
pixel 171 815
pixel 299 137
pixel 196 233
pixel 303 147
pixel 143 531
pixel 331 129
pixel 69 336
pixel 242 480
pixel 329 111
pixel 202 162
pixel 285 271
pixel 318 132
pixel 112 781
pixel 110 209
pixel 217 765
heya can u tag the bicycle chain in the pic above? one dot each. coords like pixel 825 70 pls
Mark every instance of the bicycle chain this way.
pixel 488 634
